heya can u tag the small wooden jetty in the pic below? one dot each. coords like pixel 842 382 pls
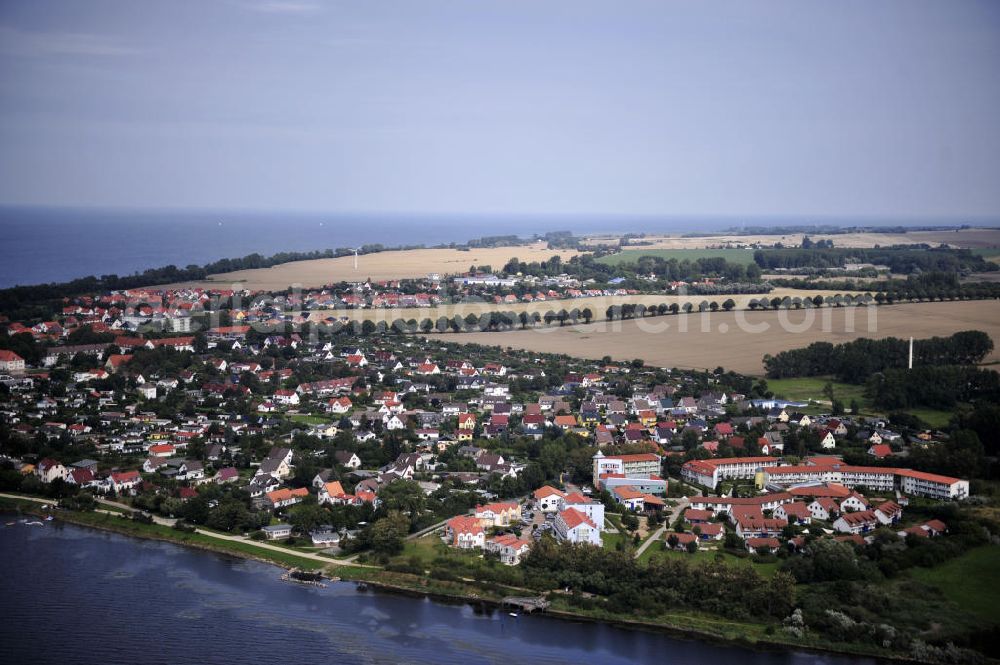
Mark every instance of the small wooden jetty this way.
pixel 526 604
pixel 304 577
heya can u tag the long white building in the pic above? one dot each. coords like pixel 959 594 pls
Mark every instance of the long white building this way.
pixel 880 479
pixel 709 472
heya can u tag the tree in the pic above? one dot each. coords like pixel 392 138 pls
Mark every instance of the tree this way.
pixel 691 547
pixel 308 515
pixel 385 536
pixel 630 521
pixel 587 314
pixel 673 540
pixel 729 304
pixel 403 496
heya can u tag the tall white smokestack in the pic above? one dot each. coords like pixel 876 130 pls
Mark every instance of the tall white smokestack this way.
pixel 911 353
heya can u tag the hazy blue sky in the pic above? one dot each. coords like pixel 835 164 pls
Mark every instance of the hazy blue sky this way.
pixel 840 108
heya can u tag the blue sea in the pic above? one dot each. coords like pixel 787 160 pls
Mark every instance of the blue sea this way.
pixel 39 245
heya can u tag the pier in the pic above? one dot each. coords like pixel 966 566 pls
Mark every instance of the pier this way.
pixel 526 604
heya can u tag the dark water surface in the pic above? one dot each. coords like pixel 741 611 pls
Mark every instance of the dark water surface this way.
pixel 77 595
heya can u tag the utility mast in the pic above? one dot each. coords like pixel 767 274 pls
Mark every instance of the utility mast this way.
pixel 911 354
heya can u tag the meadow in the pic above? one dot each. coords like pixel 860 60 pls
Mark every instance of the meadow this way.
pixel 741 256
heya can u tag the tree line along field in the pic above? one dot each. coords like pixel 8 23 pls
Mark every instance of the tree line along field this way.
pixel 725 343
pixel 740 256
pixel 970 238
pixel 598 305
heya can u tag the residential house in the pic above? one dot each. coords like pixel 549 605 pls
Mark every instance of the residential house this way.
pixel 499 514
pixel 348 459
pixel 465 532
pixel 574 526
pixel 509 547
pixel 859 522
pixel 547 499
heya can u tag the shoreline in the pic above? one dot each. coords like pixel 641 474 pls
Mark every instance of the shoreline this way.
pixel 359 576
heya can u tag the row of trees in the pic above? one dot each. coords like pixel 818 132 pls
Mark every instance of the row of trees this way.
pixel 899 260
pixel 936 387
pixel 856 361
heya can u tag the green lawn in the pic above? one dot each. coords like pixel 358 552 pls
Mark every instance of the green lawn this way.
pixel 988 253
pixel 933 417
pixel 658 551
pixel 742 256
pixel 804 389
pixel 972 580
pixel 611 540
pixel 306 419
pixel 808 388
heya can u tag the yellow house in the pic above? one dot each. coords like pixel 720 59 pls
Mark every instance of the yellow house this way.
pixel 499 514
pixel 647 418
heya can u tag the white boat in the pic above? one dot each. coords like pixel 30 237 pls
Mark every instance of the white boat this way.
pixel 513 614
pixel 34 524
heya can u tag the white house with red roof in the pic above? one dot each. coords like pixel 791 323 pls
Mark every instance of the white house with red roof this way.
pixel 10 362
pixel 889 512
pixel 796 512
pixel 547 498
pixel 584 504
pixel 49 469
pixel 880 450
pixel 125 482
pixel 859 522
pixel 510 548
pixel 824 508
pixel 339 405
pixel 286 397
pixel 574 526
pixel 465 532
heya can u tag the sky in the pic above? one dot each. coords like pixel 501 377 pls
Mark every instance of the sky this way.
pixel 849 109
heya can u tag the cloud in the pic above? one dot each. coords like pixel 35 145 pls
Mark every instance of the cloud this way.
pixel 22 43
pixel 285 7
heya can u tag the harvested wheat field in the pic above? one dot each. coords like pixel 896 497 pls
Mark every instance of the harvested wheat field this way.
pixel 598 306
pixel 410 263
pixel 739 340
pixel 970 238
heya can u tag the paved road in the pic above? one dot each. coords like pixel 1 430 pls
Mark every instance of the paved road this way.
pixel 669 518
pixel 424 532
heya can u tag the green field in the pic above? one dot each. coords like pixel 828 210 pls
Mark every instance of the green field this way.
pixel 988 253
pixel 972 581
pixel 810 388
pixel 656 551
pixel 307 419
pixel 742 256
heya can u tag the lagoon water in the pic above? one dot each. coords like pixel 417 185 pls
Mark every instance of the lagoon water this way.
pixel 76 595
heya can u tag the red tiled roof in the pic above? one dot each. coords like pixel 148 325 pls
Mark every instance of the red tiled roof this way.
pixel 574 518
